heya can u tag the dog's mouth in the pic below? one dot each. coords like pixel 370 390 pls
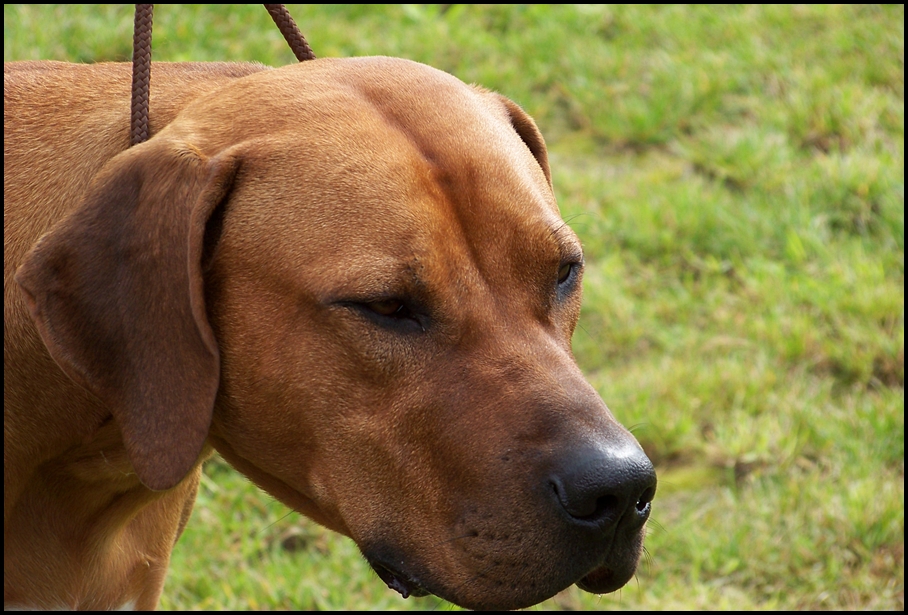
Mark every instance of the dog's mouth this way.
pixel 403 584
pixel 603 580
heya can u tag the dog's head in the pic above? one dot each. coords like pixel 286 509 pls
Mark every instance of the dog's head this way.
pixel 351 278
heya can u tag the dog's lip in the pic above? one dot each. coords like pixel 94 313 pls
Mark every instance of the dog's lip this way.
pixel 403 584
pixel 605 580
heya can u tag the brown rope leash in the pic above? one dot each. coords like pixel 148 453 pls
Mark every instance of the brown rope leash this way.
pixel 141 60
pixel 141 73
pixel 292 34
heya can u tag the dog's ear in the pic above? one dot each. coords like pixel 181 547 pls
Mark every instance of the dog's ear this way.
pixel 117 294
pixel 529 132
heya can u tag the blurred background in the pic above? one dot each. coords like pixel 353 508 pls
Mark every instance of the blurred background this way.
pixel 736 175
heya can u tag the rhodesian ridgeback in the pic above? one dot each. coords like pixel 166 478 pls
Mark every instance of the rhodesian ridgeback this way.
pixel 348 277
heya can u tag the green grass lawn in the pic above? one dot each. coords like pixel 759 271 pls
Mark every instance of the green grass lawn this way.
pixel 737 177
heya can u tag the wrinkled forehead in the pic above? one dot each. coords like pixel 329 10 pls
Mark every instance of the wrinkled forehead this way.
pixel 391 161
pixel 373 186
pixel 364 107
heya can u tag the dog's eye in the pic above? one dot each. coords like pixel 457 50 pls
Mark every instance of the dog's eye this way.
pixel 394 313
pixel 393 308
pixel 567 271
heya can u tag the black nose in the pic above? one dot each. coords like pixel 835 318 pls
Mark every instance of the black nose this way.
pixel 604 486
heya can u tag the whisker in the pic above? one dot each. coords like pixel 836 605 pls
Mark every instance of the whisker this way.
pixel 279 519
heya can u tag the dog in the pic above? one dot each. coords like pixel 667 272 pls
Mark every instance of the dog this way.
pixel 350 278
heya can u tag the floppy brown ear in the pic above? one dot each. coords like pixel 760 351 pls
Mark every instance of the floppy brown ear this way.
pixel 529 132
pixel 116 292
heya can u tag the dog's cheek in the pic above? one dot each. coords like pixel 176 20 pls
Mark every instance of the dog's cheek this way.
pixel 294 375
pixel 269 368
pixel 375 358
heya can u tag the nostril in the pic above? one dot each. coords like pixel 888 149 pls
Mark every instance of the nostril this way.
pixel 643 504
pixel 606 506
pixel 603 508
pixel 589 509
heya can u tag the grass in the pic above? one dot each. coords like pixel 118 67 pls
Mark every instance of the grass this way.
pixel 737 177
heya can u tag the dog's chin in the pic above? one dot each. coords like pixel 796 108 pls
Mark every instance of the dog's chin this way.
pixel 605 580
